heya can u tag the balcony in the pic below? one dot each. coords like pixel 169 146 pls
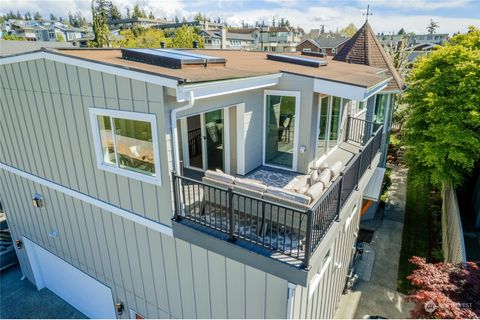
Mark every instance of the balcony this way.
pixel 277 229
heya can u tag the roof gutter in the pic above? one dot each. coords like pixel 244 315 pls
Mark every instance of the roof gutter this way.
pixel 173 120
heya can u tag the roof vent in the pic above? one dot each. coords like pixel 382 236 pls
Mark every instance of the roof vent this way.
pixel 170 58
pixel 297 60
pixel 313 54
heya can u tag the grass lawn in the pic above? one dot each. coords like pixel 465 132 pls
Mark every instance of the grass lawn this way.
pixel 416 232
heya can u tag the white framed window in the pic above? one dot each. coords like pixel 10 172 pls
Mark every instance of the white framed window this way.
pixel 334 50
pixel 280 128
pixel 126 143
pixel 327 259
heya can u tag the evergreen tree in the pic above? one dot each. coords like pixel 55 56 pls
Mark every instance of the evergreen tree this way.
pixel 52 17
pixel 177 20
pixel 100 25
pixel 37 16
pixel 151 16
pixel 432 26
pixel 113 12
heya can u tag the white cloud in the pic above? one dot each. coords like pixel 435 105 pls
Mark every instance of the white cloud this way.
pixel 417 4
pixel 306 14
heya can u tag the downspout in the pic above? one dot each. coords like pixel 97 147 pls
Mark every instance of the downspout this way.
pixel 173 120
pixel 290 294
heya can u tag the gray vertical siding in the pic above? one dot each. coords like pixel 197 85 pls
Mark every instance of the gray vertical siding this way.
pixel 46 126
pixel 324 300
pixel 45 130
pixel 152 273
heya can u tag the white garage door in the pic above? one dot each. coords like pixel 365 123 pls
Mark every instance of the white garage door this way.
pixel 83 292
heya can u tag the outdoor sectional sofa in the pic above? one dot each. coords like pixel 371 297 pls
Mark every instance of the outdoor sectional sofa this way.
pixel 279 205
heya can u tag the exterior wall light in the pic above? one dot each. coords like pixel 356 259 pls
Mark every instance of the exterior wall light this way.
pixel 119 308
pixel 19 244
pixel 37 200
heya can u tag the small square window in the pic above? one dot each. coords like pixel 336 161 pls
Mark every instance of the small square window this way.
pixel 126 143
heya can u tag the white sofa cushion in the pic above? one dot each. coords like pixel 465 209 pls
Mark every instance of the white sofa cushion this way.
pixel 325 177
pixel 336 169
pixel 302 190
pixel 315 191
pixel 219 176
pixel 313 177
pixel 320 163
pixel 289 195
pixel 250 184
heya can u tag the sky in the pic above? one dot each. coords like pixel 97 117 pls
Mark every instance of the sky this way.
pixel 388 16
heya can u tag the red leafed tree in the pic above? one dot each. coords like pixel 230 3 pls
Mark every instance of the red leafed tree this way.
pixel 445 290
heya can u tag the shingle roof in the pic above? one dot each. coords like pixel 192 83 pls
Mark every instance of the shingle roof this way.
pixel 328 42
pixel 364 48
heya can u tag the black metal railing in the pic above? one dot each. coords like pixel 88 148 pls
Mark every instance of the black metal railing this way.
pixel 359 130
pixel 295 231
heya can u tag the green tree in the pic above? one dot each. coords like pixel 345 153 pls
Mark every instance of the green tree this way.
pixel 184 37
pixel 113 12
pixel 349 30
pixel 432 26
pixel 401 32
pixel 12 37
pixel 138 13
pixel 37 16
pixel 142 38
pixel 60 37
pixel 442 130
pixel 99 23
pixel 53 17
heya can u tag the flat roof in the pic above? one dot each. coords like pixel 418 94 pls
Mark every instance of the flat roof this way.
pixel 240 64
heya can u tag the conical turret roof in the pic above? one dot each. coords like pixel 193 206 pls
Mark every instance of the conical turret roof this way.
pixel 364 48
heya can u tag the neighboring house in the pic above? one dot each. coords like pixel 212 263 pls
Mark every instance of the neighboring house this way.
pixel 413 39
pixel 136 22
pixel 24 31
pixel 364 48
pixel 45 33
pixel 203 25
pixel 327 46
pixel 421 49
pixel 187 183
pixel 279 39
pixel 222 39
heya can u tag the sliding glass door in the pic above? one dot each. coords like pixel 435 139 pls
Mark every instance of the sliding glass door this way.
pixel 204 141
pixel 280 131
pixel 329 122
pixel 214 135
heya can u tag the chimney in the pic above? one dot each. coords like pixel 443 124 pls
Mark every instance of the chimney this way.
pixel 224 37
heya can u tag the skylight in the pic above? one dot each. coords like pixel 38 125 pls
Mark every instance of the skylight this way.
pixel 297 60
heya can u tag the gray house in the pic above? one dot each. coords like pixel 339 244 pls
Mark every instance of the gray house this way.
pixel 187 183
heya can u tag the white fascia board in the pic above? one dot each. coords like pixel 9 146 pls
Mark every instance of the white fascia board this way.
pixel 347 91
pixel 111 69
pixel 217 88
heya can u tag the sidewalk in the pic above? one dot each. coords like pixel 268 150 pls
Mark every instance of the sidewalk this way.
pixel 379 296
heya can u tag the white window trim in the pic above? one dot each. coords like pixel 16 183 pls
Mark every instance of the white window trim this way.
pixel 151 118
pixel 133 313
pixel 295 94
pixel 350 218
pixel 330 102
pixel 319 275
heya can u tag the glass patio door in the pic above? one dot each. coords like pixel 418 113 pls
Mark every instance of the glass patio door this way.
pixel 280 130
pixel 214 140
pixel 330 115
pixel 195 142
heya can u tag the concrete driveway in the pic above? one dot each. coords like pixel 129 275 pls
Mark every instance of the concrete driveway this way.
pixel 21 299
